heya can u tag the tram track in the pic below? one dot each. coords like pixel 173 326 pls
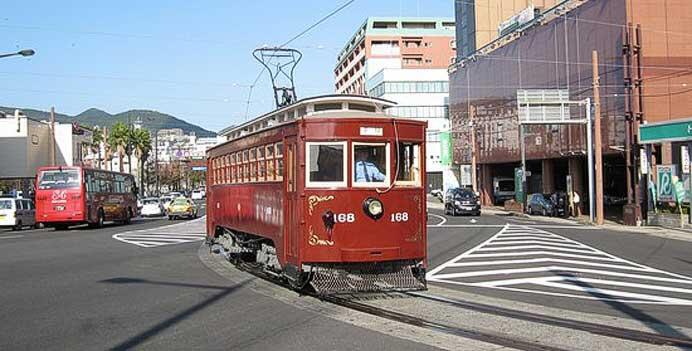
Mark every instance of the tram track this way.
pixel 359 303
pixel 594 328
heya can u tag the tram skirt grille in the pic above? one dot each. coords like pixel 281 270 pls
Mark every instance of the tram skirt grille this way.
pixel 346 278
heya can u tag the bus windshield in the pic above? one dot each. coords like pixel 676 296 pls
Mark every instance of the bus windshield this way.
pixel 59 179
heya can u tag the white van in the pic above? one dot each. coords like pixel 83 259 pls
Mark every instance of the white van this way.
pixel 17 213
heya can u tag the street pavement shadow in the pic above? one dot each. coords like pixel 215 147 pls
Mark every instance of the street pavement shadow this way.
pixel 652 322
pixel 140 338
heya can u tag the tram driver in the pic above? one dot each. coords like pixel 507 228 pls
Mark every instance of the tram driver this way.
pixel 366 171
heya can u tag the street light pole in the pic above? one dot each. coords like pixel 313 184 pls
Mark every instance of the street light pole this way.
pixel 25 53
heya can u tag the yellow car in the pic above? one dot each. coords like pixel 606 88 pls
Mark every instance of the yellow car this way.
pixel 182 207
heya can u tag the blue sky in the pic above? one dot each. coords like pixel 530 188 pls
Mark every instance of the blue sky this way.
pixel 191 59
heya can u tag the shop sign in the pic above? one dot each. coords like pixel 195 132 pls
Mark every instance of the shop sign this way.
pixel 643 161
pixel 664 132
pixel 666 189
pixel 685 157
pixel 445 149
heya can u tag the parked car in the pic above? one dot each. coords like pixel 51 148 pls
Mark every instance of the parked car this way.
pixel 438 194
pixel 165 202
pixel 152 207
pixel 198 194
pixel 503 189
pixel 182 207
pixel 17 213
pixel 462 201
pixel 540 204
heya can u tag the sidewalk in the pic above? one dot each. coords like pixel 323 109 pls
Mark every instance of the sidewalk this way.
pixel 670 233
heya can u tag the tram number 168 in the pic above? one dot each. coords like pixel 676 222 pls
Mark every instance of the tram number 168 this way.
pixel 399 217
pixel 344 217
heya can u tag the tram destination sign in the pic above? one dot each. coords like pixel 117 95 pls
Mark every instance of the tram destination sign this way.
pixel 664 132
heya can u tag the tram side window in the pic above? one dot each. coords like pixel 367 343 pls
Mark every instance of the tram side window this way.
pixel 326 163
pixel 279 155
pixel 270 162
pixel 409 163
pixel 370 164
pixel 227 169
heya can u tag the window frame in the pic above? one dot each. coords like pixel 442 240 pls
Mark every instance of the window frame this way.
pixel 417 182
pixel 326 184
pixel 388 160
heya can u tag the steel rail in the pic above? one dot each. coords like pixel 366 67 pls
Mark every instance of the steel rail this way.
pixel 594 328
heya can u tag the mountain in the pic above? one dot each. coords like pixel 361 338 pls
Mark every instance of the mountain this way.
pixel 95 117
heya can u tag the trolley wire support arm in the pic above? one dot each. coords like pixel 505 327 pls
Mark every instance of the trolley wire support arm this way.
pixel 280 63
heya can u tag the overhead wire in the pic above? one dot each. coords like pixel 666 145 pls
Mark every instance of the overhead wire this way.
pixel 292 39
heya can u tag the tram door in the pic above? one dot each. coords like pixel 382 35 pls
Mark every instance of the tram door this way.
pixel 292 228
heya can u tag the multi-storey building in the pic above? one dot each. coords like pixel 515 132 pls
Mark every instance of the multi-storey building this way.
pixel 646 104
pixel 481 21
pixel 393 42
pixel 422 94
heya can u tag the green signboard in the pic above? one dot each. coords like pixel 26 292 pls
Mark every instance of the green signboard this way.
pixel 679 191
pixel 445 149
pixel 665 186
pixel 663 132
pixel 519 185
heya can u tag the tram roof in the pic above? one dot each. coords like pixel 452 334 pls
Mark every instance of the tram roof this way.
pixel 312 106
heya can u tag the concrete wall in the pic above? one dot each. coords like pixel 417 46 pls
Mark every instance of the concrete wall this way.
pixel 24 146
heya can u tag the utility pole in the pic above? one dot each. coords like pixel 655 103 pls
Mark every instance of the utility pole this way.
pixel 472 117
pixel 52 136
pixel 597 139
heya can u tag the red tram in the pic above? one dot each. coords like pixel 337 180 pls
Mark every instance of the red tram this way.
pixel 327 191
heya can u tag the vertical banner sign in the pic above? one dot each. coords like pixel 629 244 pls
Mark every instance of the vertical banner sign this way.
pixel 643 161
pixel 664 176
pixel 519 185
pixel 680 192
pixel 685 158
pixel 465 171
pixel 445 149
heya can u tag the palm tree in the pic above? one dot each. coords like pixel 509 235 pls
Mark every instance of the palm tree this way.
pixel 141 143
pixel 119 140
pixel 95 145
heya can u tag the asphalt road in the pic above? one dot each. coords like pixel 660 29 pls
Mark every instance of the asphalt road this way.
pixel 142 286
pixel 632 276
pixel 82 289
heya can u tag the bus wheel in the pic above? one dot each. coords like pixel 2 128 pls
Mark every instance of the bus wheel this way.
pixel 18 226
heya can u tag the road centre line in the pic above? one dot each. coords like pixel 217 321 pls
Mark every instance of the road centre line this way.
pixel 538 226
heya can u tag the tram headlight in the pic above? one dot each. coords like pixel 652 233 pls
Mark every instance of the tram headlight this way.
pixel 373 208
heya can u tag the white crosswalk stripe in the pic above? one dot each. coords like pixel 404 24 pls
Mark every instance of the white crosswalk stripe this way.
pixel 531 260
pixel 178 233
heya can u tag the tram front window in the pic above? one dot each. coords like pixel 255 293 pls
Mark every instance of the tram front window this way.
pixel 326 163
pixel 369 163
pixel 409 164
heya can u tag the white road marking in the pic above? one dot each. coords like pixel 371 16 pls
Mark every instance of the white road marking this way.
pixel 541 226
pixel 178 233
pixel 443 218
pixel 11 237
pixel 563 267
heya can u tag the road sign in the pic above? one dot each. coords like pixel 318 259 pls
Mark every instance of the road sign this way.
pixel 666 190
pixel 199 168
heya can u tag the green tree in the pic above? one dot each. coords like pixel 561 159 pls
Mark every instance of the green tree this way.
pixel 118 140
pixel 95 145
pixel 141 143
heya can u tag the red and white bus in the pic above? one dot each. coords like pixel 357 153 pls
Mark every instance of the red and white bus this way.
pixel 75 195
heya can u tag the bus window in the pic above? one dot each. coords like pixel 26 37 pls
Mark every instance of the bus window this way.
pixel 59 179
